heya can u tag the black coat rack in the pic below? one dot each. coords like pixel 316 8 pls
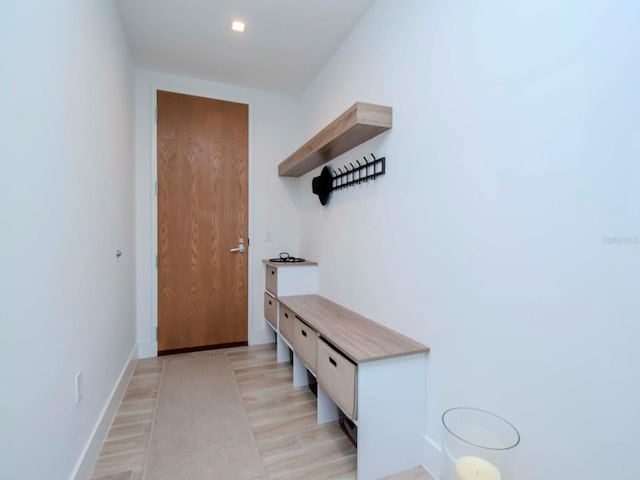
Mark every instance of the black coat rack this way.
pixel 347 176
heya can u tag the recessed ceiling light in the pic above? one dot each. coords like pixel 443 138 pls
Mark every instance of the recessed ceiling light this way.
pixel 237 26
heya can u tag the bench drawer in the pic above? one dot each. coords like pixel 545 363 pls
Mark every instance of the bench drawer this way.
pixel 305 343
pixel 271 281
pixel 337 375
pixel 271 310
pixel 285 325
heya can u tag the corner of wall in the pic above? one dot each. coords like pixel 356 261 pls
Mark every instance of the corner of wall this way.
pixel 432 456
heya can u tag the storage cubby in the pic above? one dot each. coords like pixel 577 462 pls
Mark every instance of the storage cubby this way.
pixel 374 375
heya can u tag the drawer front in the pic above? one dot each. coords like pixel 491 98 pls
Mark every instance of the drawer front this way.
pixel 272 280
pixel 338 376
pixel 271 310
pixel 286 323
pixel 305 343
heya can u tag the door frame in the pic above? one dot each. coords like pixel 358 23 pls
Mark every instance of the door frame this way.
pixel 153 102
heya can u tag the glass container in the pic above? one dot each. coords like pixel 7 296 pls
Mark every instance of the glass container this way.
pixel 476 445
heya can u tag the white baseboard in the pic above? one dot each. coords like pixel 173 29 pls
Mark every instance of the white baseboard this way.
pixel 432 457
pixel 259 336
pixel 148 349
pixel 90 455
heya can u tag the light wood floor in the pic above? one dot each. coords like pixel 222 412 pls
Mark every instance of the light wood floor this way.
pixel 283 419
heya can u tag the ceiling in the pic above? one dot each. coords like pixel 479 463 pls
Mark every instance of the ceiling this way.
pixel 285 43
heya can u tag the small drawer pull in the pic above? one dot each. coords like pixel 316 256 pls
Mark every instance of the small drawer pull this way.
pixel 273 272
pixel 270 302
pixel 304 334
pixel 332 362
pixel 286 315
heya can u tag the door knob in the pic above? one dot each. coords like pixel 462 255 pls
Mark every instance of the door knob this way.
pixel 240 247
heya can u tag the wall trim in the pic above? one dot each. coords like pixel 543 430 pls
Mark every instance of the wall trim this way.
pixel 87 462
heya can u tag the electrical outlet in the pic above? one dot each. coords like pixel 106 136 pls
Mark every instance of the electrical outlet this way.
pixel 268 235
pixel 78 387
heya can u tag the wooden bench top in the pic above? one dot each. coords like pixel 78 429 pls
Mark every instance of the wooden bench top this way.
pixel 359 338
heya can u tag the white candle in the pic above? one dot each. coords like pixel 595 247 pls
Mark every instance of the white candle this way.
pixel 474 468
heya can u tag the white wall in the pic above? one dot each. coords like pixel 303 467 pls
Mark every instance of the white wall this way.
pixel 273 218
pixel 66 193
pixel 514 151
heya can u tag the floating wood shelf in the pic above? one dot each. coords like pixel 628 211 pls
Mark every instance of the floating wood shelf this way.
pixel 361 122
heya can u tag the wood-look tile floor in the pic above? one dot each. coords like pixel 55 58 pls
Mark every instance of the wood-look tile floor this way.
pixel 283 418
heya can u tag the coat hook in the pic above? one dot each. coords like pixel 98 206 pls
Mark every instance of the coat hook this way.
pixel 345 175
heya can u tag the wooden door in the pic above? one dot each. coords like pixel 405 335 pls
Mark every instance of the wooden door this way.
pixel 202 214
